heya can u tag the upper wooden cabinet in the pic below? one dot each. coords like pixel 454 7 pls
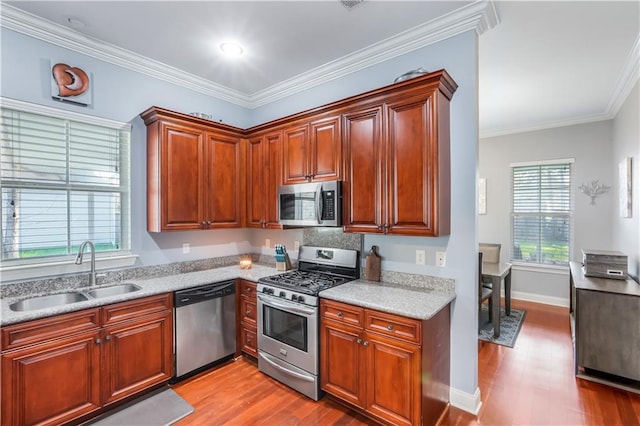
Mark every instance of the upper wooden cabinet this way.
pixel 313 151
pixel 397 171
pixel 264 175
pixel 194 173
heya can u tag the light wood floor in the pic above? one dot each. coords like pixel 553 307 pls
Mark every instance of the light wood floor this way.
pixel 531 384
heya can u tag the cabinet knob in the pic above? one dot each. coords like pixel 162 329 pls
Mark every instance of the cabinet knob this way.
pixel 340 314
pixel 208 223
pixel 386 226
pixel 203 223
pixel 366 343
pixel 359 341
pixel 246 314
pixel 107 338
pixel 379 227
pixel 390 327
pixel 98 341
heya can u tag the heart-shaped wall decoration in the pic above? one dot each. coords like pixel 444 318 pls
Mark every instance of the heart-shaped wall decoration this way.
pixel 71 81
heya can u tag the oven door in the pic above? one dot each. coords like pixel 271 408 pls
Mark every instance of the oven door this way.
pixel 288 331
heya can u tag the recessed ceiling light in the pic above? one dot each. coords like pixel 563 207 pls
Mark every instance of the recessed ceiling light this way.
pixel 231 48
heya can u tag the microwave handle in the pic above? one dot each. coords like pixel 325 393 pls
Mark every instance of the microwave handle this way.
pixel 319 206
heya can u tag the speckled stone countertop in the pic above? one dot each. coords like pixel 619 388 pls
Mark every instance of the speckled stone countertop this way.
pixel 413 301
pixel 149 286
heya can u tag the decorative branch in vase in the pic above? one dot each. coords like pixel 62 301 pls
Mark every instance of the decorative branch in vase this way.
pixel 593 190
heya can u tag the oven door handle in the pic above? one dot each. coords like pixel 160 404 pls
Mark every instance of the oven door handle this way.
pixel 288 307
pixel 284 370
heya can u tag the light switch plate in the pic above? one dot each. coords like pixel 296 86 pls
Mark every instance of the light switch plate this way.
pixel 267 243
pixel 420 257
pixel 186 248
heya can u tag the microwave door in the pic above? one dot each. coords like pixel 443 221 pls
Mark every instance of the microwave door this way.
pixel 319 207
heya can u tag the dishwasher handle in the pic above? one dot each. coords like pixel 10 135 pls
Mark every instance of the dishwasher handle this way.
pixel 203 293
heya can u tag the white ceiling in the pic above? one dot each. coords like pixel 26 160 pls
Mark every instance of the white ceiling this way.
pixel 542 64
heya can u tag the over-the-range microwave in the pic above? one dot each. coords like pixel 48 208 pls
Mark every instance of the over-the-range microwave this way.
pixel 310 204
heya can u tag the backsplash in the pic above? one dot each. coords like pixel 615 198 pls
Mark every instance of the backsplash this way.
pixel 65 282
pixel 332 238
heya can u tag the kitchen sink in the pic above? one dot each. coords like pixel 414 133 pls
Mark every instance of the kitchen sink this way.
pixel 113 290
pixel 50 301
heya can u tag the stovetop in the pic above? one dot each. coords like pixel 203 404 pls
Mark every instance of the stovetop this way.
pixel 306 282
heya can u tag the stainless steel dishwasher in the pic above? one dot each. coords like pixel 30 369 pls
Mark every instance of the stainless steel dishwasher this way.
pixel 205 326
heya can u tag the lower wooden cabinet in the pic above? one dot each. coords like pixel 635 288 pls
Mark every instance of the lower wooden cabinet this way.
pixel 248 318
pixel 58 369
pixel 394 369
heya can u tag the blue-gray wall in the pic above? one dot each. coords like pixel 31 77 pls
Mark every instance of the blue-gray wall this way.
pixel 120 94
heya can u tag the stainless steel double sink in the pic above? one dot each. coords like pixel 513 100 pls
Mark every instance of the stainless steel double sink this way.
pixel 60 299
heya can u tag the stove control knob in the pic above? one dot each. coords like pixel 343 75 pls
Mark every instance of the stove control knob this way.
pixel 267 290
pixel 294 297
pixel 300 299
pixel 282 294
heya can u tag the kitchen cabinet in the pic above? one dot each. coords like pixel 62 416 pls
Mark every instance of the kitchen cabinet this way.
pixel 602 311
pixel 194 173
pixel 62 368
pixel 248 323
pixel 394 369
pixel 313 151
pixel 264 175
pixel 396 149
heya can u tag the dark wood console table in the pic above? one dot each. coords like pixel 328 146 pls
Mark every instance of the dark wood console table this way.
pixel 605 327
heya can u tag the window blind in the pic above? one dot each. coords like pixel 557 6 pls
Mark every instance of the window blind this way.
pixel 541 213
pixel 63 182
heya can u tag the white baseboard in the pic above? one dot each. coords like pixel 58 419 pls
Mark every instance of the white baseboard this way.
pixel 537 298
pixel 470 403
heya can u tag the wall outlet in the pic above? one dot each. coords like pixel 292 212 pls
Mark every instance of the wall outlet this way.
pixel 420 257
pixel 441 258
pixel 185 248
pixel 267 243
pixel 296 245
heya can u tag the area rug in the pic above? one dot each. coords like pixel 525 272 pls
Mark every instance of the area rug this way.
pixel 509 326
pixel 160 408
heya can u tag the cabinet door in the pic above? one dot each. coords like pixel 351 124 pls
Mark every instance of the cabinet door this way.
pixel 249 340
pixel 325 150
pixel 341 369
pixel 296 144
pixel 181 177
pixel 393 387
pixel 363 196
pixel 412 167
pixel 255 183
pixel 223 189
pixel 51 383
pixel 272 178
pixel 136 355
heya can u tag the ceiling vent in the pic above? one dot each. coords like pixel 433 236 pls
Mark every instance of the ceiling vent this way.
pixel 350 4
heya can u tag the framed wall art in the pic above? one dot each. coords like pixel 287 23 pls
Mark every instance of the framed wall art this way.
pixel 624 173
pixel 70 83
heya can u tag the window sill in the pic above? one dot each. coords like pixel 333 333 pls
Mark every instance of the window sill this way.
pixel 537 267
pixel 35 271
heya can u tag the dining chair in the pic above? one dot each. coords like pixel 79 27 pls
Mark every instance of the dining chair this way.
pixel 490 254
pixel 484 293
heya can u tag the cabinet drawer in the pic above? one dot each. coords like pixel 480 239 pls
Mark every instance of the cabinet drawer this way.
pixel 247 288
pixel 41 330
pixel 136 308
pixel 342 312
pixel 393 325
pixel 248 309
pixel 249 339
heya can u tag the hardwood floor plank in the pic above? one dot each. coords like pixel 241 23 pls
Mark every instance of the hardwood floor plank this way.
pixel 530 384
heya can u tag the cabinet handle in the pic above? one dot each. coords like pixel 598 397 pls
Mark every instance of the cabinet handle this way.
pixel 98 341
pixel 340 314
pixel 366 343
pixel 359 341
pixel 390 327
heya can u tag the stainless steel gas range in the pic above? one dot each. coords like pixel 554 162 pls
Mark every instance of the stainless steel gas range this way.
pixel 288 305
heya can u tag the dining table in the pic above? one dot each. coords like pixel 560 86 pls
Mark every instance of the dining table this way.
pixel 498 273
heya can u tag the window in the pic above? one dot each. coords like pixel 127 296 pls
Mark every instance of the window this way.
pixel 541 212
pixel 65 179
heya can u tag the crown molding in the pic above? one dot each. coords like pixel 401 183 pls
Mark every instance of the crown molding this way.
pixel 628 78
pixel 479 16
pixel 490 133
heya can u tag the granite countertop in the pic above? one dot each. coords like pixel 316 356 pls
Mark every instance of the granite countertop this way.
pixel 408 301
pixel 150 287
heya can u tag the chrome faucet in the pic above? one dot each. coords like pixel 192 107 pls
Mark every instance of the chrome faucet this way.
pixel 92 274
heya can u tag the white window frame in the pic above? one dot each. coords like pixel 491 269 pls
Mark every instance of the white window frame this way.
pixel 531 266
pixel 25 269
